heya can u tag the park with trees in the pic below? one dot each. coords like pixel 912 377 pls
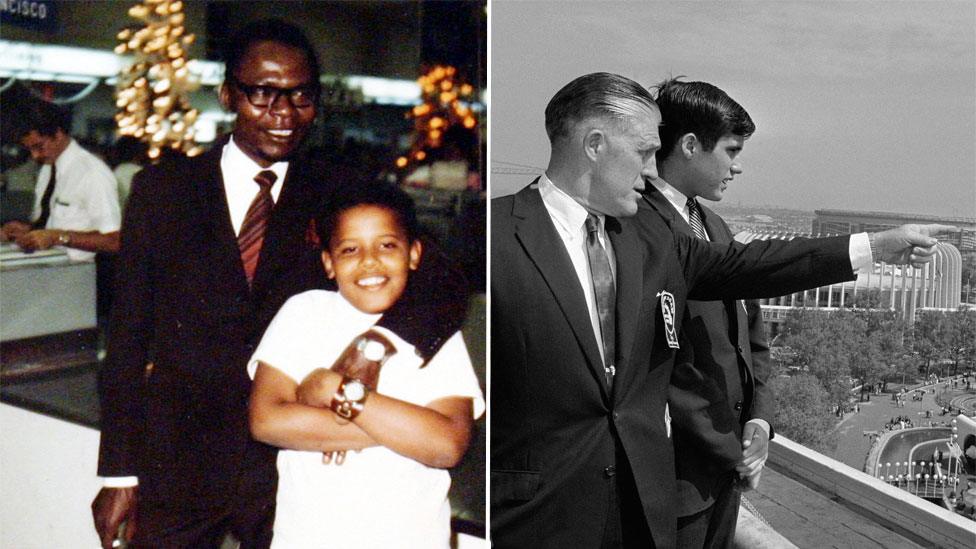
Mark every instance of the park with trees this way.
pixel 826 355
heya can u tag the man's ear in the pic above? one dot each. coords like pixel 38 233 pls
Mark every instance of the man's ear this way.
pixel 688 144
pixel 594 143
pixel 327 264
pixel 223 94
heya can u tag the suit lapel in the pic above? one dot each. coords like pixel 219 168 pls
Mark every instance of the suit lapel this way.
pixel 716 231
pixel 213 207
pixel 546 250
pixel 671 216
pixel 284 217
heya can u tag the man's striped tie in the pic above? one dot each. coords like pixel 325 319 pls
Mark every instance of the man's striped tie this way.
pixel 251 237
pixel 695 219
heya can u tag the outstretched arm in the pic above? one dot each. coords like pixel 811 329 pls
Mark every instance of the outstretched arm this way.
pixel 768 268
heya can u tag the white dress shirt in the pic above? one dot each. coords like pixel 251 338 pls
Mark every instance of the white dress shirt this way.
pixel 570 218
pixel 85 196
pixel 238 170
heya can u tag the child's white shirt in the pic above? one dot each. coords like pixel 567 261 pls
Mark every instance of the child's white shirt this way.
pixel 377 498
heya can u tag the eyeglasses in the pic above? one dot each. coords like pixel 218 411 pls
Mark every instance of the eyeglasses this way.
pixel 264 96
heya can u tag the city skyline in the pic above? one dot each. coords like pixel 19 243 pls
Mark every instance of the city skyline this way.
pixel 877 95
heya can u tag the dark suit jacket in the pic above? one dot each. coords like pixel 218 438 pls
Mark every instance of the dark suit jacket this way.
pixel 554 427
pixel 182 303
pixel 719 380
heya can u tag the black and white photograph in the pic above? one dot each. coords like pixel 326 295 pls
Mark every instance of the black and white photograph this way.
pixel 715 279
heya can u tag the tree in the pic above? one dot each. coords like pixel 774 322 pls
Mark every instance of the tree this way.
pixel 960 337
pixel 803 412
pixel 824 344
pixel 885 344
pixel 928 337
pixel 868 298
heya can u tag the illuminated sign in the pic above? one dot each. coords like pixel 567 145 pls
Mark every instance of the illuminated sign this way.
pixel 40 15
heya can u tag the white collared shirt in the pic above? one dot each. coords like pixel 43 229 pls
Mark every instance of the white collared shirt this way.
pixel 238 171
pixel 569 219
pixel 85 196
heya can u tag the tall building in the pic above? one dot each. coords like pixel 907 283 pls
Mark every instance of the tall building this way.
pixel 829 222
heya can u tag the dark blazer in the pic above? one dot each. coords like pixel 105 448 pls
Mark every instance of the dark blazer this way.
pixel 719 380
pixel 554 426
pixel 182 304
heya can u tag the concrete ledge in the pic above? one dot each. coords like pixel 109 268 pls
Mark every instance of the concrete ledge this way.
pixel 752 533
pixel 897 507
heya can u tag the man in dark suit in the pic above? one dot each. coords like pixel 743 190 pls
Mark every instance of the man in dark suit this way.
pixel 586 307
pixel 721 407
pixel 201 273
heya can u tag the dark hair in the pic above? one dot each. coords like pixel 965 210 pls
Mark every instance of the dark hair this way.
pixel 595 94
pixel 361 193
pixel 268 30
pixel 699 108
pixel 45 118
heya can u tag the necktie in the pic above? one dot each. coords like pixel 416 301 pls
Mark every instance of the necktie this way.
pixel 251 237
pixel 605 293
pixel 695 219
pixel 46 201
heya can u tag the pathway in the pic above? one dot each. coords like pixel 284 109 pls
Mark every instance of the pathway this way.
pixel 853 444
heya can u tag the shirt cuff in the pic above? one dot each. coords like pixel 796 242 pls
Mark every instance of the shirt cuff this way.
pixel 859 249
pixel 120 482
pixel 762 424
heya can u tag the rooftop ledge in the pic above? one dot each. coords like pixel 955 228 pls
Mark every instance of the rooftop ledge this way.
pixel 812 500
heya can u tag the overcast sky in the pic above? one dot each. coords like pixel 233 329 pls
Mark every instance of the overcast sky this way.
pixel 858 105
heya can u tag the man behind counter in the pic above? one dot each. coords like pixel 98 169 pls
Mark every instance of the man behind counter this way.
pixel 76 203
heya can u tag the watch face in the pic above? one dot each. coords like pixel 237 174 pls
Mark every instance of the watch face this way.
pixel 354 390
pixel 374 350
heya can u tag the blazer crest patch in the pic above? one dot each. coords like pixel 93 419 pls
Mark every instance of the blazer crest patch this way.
pixel 667 312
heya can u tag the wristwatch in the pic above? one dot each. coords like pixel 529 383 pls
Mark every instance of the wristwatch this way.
pixel 348 401
pixel 64 238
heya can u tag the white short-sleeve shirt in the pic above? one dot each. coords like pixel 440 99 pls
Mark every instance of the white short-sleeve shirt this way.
pixel 85 195
pixel 377 498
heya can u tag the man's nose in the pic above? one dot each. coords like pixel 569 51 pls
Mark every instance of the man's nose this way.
pixel 282 105
pixel 736 169
pixel 650 170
